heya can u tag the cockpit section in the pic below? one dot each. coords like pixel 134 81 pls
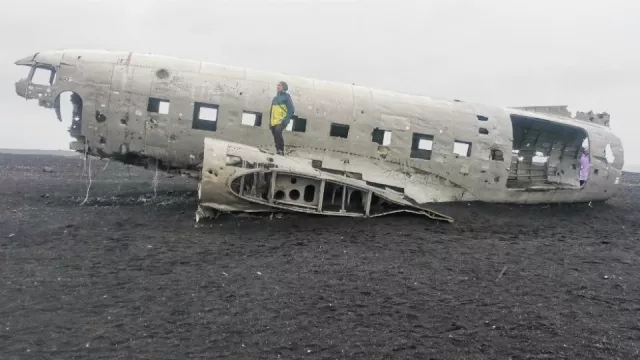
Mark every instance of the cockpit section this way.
pixel 37 84
pixel 40 82
pixel 41 76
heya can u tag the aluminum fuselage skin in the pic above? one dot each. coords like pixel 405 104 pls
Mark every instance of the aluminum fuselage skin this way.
pixel 115 88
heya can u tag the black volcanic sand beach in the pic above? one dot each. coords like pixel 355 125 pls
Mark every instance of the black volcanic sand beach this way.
pixel 127 275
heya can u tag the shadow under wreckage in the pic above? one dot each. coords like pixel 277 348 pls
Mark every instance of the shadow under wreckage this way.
pixel 256 181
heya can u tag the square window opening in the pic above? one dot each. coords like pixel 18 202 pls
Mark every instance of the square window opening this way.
pixel 205 116
pixel 421 146
pixel 381 137
pixel 462 148
pixel 497 155
pixel 208 113
pixel 608 154
pixel 158 106
pixel 297 124
pixel 251 118
pixel 425 144
pixel 43 76
pixel 483 131
pixel 339 130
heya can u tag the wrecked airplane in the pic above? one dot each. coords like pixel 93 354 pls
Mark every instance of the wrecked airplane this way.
pixel 350 150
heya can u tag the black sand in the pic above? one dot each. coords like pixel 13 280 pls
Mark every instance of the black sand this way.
pixel 128 276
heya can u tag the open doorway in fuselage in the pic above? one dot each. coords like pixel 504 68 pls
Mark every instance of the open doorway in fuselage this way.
pixel 585 162
pixel 68 106
pixel 545 154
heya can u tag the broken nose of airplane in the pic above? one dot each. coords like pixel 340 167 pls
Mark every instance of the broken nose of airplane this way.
pixel 21 88
pixel 41 69
pixel 23 83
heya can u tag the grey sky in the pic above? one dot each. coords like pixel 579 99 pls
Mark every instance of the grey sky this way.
pixel 583 53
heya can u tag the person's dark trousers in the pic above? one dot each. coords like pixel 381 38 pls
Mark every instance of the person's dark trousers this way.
pixel 278 139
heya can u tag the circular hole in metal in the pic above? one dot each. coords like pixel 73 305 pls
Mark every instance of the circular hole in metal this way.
pixel 210 172
pixel 294 180
pixel 279 195
pixel 294 194
pixel 162 74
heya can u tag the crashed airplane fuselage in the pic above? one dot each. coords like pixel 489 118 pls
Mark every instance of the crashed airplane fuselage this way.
pixel 357 144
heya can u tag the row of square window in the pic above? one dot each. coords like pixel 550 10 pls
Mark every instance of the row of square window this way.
pixel 205 117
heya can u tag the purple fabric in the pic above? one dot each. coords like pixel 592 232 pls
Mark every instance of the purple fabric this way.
pixel 584 167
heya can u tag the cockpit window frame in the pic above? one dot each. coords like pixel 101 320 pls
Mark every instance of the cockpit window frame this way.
pixel 52 77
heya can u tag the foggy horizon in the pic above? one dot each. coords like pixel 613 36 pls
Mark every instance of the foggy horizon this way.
pixel 495 52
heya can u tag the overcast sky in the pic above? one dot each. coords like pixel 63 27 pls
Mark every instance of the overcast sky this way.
pixel 581 53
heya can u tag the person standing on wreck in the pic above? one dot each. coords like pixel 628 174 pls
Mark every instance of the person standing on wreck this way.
pixel 281 112
pixel 584 166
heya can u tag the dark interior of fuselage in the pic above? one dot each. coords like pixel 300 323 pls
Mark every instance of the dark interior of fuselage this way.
pixel 68 107
pixel 545 154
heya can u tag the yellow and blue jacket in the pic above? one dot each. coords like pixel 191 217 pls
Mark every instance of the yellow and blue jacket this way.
pixel 281 109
